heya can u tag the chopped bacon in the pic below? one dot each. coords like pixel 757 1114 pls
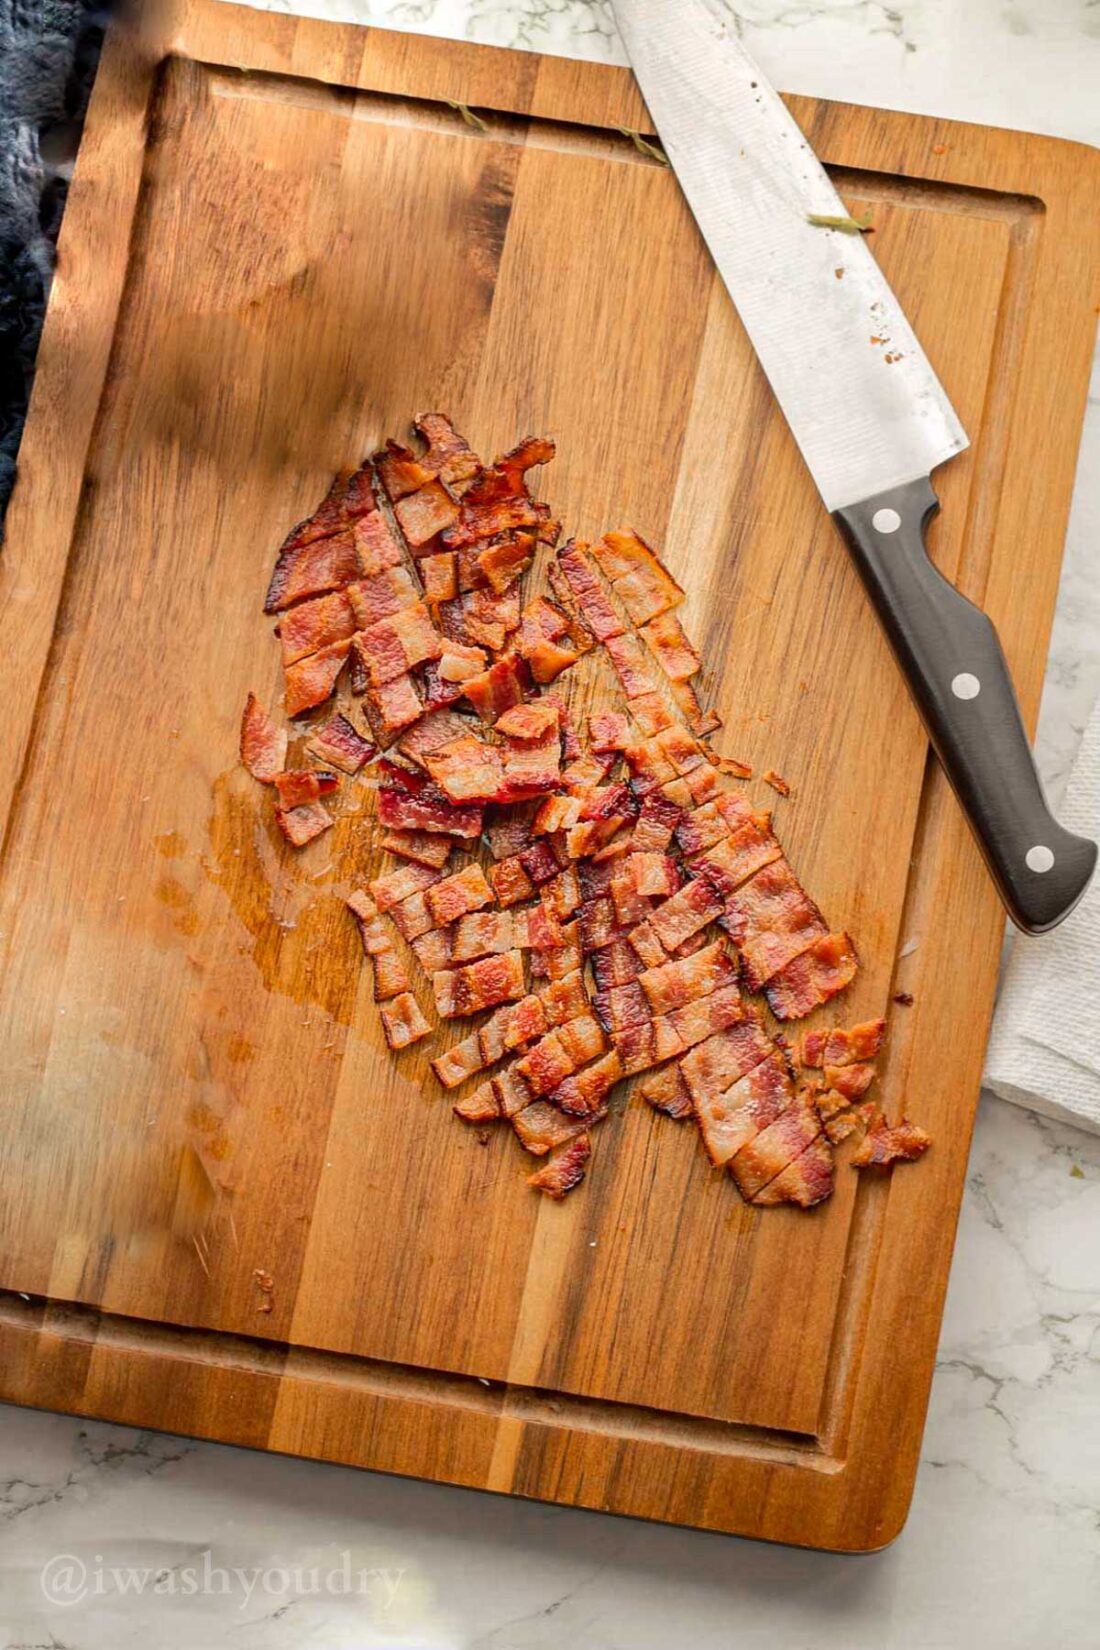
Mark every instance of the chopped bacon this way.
pixel 433 949
pixel 672 984
pixel 841 1047
pixel 655 875
pixel 409 801
pixel 615 964
pixel 510 1092
pixel 439 576
pixel 460 660
pixel 394 645
pixel 480 1107
pixel 425 847
pixel 701 722
pixel 646 1043
pixel 806 1181
pixel 628 660
pixel 565 1170
pixel 453 897
pixel 666 1091
pixel 588 592
pixel 771 1149
pixel 599 924
pixel 403 1020
pixel 412 917
pixel 651 713
pixel 700 828
pixel 381 597
pixel 509 831
pixel 500 687
pixel 399 471
pixel 773 921
pixel 301 825
pixel 541 1127
pixel 498 501
pixel 263 742
pixel 376 546
pixel 390 977
pixel 860 1117
pixel 738 856
pixel 392 707
pixel 826 966
pixel 531 721
pixel 467 770
pixel 714 1065
pixel 647 946
pixel 448 455
pixel 482 934
pixel 678 918
pixel 299 786
pixel 350 496
pixel 777 782
pixel 561 960
pixel 852 1081
pixel 656 823
pixel 389 890
pixel 585 1091
pixel 884 1143
pixel 713 1012
pixel 513 1025
pixel 565 998
pixel 642 583
pixel 423 515
pixel 540 862
pixel 311 570
pixel 608 730
pixel 621 1006
pixel 731 1116
pixel 562 894
pixel 315 624
pixel 671 648
pixel 339 745
pixel 510 881
pixel 311 681
pixel 503 563
pixel 478 985
pixel 557 813
pixel 631 906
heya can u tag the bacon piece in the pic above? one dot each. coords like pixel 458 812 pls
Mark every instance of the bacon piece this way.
pixel 630 906
pixel 841 1047
pixel 513 1025
pixel 311 570
pixel 654 875
pixel 714 1065
pixel 381 597
pixel 453 897
pixel 541 1127
pixel 702 721
pixel 485 617
pixel 700 829
pixel 850 1081
pixel 565 998
pixel 621 1006
pixel 263 742
pixel 350 496
pixel 738 857
pixel 839 1128
pixel 900 1142
pixel 509 831
pixel 480 1107
pixel 412 917
pixel 390 977
pixel 500 687
pixel 669 645
pixel 339 745
pixel 403 1021
pixel 460 660
pixel 731 1116
pixel 651 713
pixel 777 782
pixel 531 721
pixel 299 786
pixel 393 646
pixel 642 583
pixel 560 962
pixel 666 1091
pixel 315 624
pixel 615 964
pixel 376 546
pixel 585 1091
pixel 504 562
pixel 390 708
pixel 708 1014
pixel 498 501
pixel 823 969
pixel 599 924
pixel 678 918
pixel 478 985
pixel 439 576
pixel 773 921
pixel 605 810
pixel 425 847
pixel 628 661
pixel 608 730
pixel 646 1043
pixel 510 881
pixel 562 894
pixel 673 984
pixel 510 1092
pixel 649 768
pixel 408 801
pixel 423 515
pixel 433 949
pixel 438 727
pixel 389 890
pixel 805 1182
pixel 588 592
pixel 565 1170
pixel 683 752
pixel 448 455
pixel 770 1150
pixel 655 826
pixel 540 862
pixel 557 813
pixel 311 680
pixel 532 767
pixel 647 946
pixel 467 770
pixel 301 825
pixel 399 471
pixel 482 934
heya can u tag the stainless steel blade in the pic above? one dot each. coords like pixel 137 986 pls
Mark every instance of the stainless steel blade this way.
pixel 859 394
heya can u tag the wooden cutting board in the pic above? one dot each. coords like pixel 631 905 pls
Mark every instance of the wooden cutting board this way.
pixel 282 240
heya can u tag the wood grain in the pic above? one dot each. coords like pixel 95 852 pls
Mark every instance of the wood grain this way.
pixel 281 241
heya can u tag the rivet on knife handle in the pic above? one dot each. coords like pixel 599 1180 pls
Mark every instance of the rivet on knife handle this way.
pixel 952 660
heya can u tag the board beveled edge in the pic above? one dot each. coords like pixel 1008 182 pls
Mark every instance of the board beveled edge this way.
pixel 861 1504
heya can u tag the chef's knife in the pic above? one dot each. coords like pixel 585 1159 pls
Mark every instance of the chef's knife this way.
pixel 869 415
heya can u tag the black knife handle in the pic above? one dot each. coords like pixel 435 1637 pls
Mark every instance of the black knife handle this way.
pixel 951 658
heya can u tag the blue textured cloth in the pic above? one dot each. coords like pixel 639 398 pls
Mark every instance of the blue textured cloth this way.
pixel 48 55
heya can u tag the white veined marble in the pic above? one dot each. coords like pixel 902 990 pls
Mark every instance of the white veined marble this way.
pixel 1002 1548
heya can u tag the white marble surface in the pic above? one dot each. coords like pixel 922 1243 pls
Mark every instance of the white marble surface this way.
pixel 1002 1548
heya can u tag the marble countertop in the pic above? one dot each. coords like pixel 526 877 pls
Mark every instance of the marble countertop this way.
pixel 220 1547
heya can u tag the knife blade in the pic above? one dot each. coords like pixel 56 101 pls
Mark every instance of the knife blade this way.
pixel 870 417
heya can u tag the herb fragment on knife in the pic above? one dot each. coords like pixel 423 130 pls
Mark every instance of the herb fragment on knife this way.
pixel 585 906
pixel 643 146
pixel 846 224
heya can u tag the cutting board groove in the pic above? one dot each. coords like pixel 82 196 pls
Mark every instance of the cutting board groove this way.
pixel 281 242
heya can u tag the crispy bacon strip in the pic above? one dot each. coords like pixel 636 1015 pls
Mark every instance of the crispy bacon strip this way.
pixel 901 1142
pixel 773 921
pixel 390 977
pixel 311 570
pixel 409 801
pixel 640 580
pixel 339 745
pixel 738 856
pixel 838 1046
pixel 403 1021
pixel 670 647
pixel 565 1170
pixel 478 985
pixel 301 825
pixel 425 847
pixel 827 966
pixel 806 1181
pixel 315 624
pixel 731 1115
pixel 579 573
pixel 350 496
pixel 263 742
pixel 311 681
pixel 666 1091
pixel 298 786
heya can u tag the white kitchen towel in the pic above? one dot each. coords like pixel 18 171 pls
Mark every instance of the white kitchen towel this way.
pixel 1044 1052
